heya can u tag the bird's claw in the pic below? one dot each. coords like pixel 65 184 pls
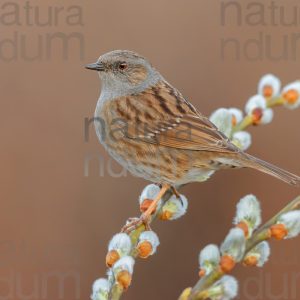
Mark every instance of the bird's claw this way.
pixel 134 223
pixel 176 193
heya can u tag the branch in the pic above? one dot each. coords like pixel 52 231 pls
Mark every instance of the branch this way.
pixel 265 232
pixel 165 211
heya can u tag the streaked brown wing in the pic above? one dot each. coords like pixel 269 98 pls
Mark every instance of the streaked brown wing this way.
pixel 186 133
pixel 164 117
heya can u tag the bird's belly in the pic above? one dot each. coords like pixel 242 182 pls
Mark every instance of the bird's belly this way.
pixel 151 161
pixel 140 162
pixel 156 164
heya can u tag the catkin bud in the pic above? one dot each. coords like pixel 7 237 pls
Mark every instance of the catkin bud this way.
pixel 234 245
pixel 236 115
pixel 222 118
pixel 101 289
pixel 174 208
pixel 224 289
pixel 242 139
pixel 123 270
pixel 291 95
pixel 149 193
pixel 256 107
pixel 259 255
pixel 248 214
pixel 147 244
pixel 119 246
pixel 279 231
pixel 209 258
pixel 269 86
pixel 111 257
pixel 288 225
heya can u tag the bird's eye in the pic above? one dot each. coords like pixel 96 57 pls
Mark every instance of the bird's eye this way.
pixel 123 66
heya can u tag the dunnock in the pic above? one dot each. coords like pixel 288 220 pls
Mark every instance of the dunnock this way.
pixel 154 132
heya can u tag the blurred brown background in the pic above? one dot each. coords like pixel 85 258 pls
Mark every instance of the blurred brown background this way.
pixel 56 220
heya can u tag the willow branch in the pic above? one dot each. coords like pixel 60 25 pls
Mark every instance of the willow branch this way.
pixel 262 234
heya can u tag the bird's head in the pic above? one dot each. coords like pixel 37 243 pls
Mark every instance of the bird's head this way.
pixel 123 71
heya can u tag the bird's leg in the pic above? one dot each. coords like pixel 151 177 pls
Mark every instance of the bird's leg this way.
pixel 176 193
pixel 152 207
pixel 145 218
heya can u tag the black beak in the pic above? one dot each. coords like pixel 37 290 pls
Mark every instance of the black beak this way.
pixel 98 66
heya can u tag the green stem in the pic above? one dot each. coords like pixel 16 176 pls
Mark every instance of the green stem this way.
pixel 204 283
pixel 293 205
pixel 278 101
pixel 247 121
pixel 116 292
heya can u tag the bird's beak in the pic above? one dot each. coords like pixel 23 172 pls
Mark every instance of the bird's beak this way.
pixel 98 66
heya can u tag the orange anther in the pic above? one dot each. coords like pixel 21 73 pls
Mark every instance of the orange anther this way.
pixel 257 114
pixel 166 215
pixel 227 263
pixel 145 205
pixel 279 231
pixel 268 91
pixel 250 261
pixel 291 96
pixel 111 257
pixel 244 226
pixel 124 279
pixel 144 249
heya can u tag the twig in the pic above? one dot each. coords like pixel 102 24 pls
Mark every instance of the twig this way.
pixel 262 234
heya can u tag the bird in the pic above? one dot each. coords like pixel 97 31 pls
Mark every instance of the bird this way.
pixel 154 132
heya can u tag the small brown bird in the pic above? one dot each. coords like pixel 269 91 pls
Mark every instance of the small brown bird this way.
pixel 154 132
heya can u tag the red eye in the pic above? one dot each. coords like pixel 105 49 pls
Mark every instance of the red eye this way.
pixel 123 66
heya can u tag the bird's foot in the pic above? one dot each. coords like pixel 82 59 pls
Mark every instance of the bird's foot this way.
pixel 176 193
pixel 145 217
pixel 133 223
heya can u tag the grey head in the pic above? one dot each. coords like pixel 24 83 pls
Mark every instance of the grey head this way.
pixel 124 73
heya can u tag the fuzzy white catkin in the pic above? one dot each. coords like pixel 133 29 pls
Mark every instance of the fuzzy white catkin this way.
pixel 296 87
pixel 222 118
pixel 267 117
pixel 125 263
pixel 237 113
pixel 291 220
pixel 120 242
pixel 234 244
pixel 209 254
pixel 256 101
pixel 230 285
pixel 242 139
pixel 101 289
pixel 227 287
pixel 269 80
pixel 248 209
pixel 177 206
pixel 149 192
pixel 151 237
pixel 262 252
pixel 259 101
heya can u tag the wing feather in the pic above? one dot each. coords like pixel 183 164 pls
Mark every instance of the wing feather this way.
pixel 163 117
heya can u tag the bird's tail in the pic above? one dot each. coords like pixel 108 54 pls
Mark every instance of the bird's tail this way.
pixel 265 167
